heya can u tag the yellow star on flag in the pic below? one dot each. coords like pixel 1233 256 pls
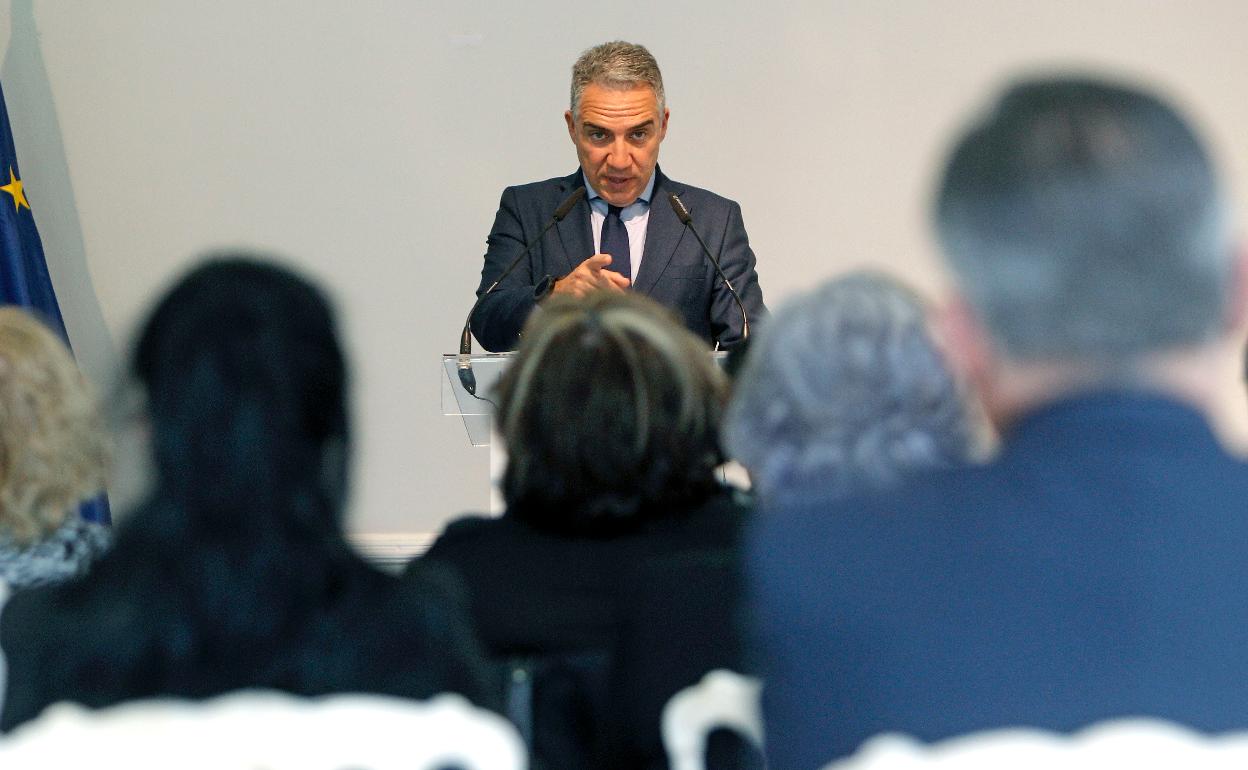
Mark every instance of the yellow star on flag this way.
pixel 14 188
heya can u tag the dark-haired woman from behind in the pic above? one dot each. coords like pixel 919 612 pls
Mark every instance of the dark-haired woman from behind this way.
pixel 610 412
pixel 235 572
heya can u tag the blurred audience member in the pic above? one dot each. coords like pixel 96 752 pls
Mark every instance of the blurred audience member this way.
pixel 610 413
pixel 1098 567
pixel 53 455
pixel 235 572
pixel 846 389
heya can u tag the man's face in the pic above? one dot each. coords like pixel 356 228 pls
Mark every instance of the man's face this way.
pixel 617 136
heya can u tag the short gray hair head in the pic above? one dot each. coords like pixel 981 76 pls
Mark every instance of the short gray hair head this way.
pixel 845 388
pixel 616 65
pixel 1084 222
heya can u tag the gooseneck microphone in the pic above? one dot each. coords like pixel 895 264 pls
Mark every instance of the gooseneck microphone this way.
pixel 464 364
pixel 686 219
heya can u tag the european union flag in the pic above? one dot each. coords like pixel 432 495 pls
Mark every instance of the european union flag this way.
pixel 24 278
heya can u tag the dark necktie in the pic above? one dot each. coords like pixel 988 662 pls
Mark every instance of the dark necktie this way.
pixel 615 242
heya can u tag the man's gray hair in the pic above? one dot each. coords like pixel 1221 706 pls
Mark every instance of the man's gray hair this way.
pixel 845 387
pixel 616 65
pixel 1085 222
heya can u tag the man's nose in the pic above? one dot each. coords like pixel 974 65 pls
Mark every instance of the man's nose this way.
pixel 619 155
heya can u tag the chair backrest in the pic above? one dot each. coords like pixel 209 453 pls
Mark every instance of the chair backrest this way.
pixel 262 729
pixel 1129 743
pixel 560 703
pixel 723 699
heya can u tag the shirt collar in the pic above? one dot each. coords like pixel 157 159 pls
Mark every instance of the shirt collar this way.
pixel 643 198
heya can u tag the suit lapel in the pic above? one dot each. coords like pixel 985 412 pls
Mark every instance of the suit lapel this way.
pixel 663 234
pixel 576 236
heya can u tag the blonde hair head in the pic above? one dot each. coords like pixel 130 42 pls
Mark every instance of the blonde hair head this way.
pixel 53 444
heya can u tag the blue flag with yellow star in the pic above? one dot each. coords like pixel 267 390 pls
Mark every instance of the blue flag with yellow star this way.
pixel 24 278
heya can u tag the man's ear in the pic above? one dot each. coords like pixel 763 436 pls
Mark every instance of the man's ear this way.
pixel 567 118
pixel 1236 320
pixel 966 342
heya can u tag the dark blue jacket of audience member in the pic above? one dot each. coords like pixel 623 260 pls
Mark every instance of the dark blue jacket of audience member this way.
pixel 1098 568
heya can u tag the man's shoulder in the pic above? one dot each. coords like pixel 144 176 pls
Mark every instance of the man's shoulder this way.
pixel 546 187
pixel 990 515
pixel 1058 485
pixel 691 195
pixel 936 488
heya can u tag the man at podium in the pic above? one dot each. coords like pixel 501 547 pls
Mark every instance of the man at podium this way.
pixel 613 223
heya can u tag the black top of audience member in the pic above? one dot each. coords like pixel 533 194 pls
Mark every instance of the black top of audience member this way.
pixel 235 572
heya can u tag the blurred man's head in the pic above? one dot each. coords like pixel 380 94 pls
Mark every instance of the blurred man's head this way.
pixel 1084 223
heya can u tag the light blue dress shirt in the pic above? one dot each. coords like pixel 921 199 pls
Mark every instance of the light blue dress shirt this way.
pixel 635 216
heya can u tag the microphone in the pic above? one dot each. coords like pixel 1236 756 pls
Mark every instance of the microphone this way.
pixel 464 364
pixel 682 213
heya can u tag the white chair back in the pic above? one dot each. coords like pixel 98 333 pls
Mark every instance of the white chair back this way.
pixel 722 699
pixel 274 731
pixel 1136 743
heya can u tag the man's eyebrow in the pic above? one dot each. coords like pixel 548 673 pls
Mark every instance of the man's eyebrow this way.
pixel 588 126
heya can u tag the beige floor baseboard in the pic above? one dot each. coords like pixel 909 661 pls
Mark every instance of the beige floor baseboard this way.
pixel 392 551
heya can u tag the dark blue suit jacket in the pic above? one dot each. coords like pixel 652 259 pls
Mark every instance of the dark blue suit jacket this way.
pixel 1097 568
pixel 673 269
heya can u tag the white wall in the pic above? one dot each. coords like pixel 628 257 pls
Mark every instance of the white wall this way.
pixel 369 141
